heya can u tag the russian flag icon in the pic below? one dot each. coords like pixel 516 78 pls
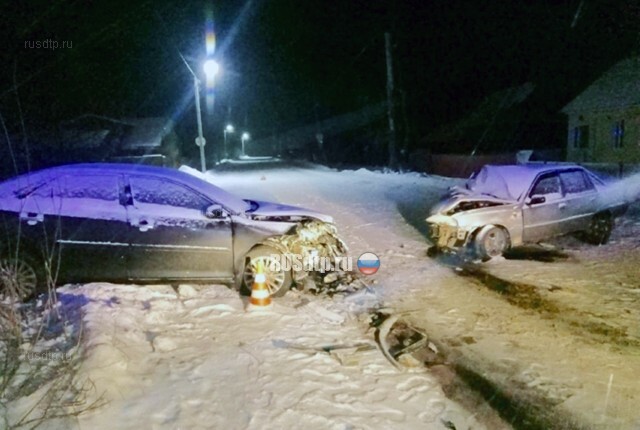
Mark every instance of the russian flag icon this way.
pixel 368 263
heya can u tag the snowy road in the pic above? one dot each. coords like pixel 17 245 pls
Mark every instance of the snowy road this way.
pixel 196 359
pixel 566 355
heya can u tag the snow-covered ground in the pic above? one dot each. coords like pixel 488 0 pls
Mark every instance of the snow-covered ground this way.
pixel 196 359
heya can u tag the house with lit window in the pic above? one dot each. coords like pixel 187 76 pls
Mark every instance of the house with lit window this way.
pixel 604 120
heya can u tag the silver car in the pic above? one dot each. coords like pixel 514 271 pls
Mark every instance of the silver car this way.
pixel 506 206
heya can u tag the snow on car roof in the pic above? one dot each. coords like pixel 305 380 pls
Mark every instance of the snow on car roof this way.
pixel 510 182
pixel 228 200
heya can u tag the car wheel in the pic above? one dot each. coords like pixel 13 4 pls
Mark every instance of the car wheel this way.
pixel 278 281
pixel 600 229
pixel 18 278
pixel 491 241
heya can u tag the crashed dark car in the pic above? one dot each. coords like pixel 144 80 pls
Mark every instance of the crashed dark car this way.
pixel 123 222
pixel 506 206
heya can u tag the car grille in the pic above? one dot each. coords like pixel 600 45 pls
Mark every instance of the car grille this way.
pixel 445 235
pixel 434 230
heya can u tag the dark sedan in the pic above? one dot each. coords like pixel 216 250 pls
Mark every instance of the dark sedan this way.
pixel 119 222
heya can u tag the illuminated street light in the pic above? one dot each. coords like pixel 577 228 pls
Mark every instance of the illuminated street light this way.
pixel 228 129
pixel 245 136
pixel 211 68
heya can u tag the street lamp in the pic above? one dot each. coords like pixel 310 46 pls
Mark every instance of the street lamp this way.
pixel 228 129
pixel 211 68
pixel 245 136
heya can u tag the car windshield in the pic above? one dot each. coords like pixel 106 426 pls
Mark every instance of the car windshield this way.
pixel 230 201
pixel 506 182
pixel 491 181
pixel 225 198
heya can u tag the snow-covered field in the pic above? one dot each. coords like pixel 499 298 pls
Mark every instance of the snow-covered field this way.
pixel 194 358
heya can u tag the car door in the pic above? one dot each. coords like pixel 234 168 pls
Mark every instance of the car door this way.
pixel 82 215
pixel 580 197
pixel 543 212
pixel 170 235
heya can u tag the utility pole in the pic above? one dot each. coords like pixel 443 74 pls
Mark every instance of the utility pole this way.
pixel 200 141
pixel 393 158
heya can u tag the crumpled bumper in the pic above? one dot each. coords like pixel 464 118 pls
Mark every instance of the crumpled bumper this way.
pixel 445 233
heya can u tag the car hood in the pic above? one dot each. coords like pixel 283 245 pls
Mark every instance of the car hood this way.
pixel 277 210
pixel 451 201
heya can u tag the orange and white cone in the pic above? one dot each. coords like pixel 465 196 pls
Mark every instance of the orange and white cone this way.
pixel 260 297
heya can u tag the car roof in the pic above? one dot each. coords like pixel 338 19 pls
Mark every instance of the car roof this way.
pixel 228 200
pixel 510 182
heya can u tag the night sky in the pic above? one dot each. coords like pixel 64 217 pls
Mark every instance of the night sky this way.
pixel 288 62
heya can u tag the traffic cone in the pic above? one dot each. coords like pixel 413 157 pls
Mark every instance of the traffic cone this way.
pixel 260 297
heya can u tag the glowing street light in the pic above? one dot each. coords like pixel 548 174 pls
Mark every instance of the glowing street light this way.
pixel 245 136
pixel 211 69
pixel 228 129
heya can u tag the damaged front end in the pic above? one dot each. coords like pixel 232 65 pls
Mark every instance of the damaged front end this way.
pixel 454 221
pixel 312 241
pixel 445 233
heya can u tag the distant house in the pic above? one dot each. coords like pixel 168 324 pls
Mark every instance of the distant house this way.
pixel 604 120
pixel 146 135
pixel 98 138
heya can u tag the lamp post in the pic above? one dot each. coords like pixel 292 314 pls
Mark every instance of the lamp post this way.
pixel 200 141
pixel 228 129
pixel 211 68
pixel 245 136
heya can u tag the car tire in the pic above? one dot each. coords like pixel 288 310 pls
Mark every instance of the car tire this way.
pixel 599 230
pixel 19 278
pixel 278 282
pixel 491 241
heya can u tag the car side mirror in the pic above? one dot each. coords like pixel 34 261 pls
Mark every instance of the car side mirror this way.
pixel 536 200
pixel 214 211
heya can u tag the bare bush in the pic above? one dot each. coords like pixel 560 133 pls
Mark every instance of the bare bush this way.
pixel 40 343
pixel 40 359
